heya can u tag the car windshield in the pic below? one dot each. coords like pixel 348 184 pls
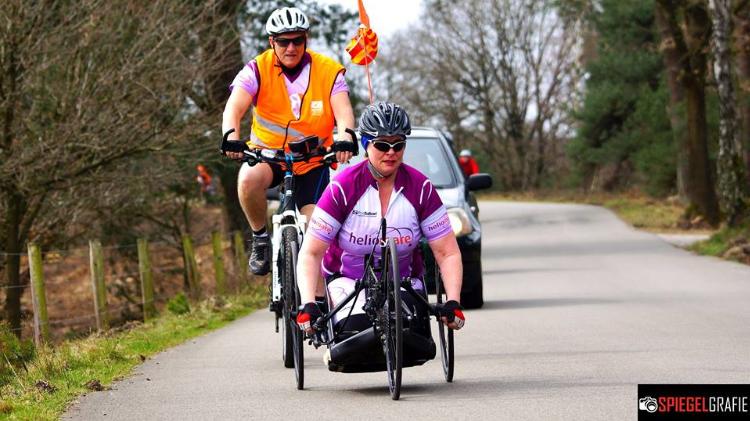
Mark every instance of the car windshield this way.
pixel 428 156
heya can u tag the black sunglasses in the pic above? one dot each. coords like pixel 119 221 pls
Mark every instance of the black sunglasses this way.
pixel 284 42
pixel 384 146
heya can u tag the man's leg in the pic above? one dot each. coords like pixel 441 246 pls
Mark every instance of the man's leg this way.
pixel 310 187
pixel 252 183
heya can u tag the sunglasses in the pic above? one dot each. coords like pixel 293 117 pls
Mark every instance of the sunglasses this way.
pixel 284 42
pixel 384 146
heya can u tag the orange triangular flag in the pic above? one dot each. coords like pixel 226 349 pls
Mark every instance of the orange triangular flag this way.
pixel 363 15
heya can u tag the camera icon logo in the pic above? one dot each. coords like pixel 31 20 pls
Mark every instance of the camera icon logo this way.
pixel 648 404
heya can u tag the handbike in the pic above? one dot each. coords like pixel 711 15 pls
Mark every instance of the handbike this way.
pixel 381 347
pixel 287 233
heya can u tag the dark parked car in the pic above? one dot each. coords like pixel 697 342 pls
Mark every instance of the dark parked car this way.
pixel 429 151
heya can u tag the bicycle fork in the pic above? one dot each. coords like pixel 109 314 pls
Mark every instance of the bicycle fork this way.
pixel 277 290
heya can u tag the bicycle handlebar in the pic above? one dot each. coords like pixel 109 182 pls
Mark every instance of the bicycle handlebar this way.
pixel 254 156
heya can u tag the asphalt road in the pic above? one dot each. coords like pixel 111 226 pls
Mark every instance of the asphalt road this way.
pixel 579 310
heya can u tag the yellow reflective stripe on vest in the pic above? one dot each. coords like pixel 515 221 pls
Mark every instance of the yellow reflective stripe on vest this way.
pixel 276 128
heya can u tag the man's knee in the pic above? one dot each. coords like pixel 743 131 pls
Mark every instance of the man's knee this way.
pixel 252 182
pixel 307 210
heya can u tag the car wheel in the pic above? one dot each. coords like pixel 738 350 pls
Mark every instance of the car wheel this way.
pixel 473 298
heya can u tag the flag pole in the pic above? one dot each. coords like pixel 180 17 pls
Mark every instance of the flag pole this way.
pixel 367 69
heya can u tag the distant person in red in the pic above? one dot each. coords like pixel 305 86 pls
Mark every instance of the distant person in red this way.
pixel 204 179
pixel 468 163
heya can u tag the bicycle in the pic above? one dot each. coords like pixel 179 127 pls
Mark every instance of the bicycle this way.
pixel 288 226
pixel 382 286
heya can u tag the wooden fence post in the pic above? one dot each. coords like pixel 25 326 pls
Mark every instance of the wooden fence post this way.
pixel 96 263
pixel 38 297
pixel 240 260
pixel 147 280
pixel 191 267
pixel 221 288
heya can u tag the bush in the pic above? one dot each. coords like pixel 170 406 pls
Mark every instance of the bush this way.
pixel 179 304
pixel 14 354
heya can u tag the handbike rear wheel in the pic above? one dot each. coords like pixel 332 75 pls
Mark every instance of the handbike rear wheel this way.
pixel 444 332
pixel 393 346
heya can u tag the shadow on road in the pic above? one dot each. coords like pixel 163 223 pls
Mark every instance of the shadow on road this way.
pixel 469 389
pixel 572 247
pixel 545 302
pixel 530 270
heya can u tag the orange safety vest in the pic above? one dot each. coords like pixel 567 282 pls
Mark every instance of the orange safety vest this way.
pixel 273 120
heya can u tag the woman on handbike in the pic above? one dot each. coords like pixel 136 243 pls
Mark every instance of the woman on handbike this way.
pixel 347 220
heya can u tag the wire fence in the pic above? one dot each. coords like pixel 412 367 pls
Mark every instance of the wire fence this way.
pixel 98 287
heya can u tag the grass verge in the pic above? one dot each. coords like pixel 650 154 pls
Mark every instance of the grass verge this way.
pixel 58 375
pixel 727 243
pixel 655 215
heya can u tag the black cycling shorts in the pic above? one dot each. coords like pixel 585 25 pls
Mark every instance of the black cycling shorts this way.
pixel 308 187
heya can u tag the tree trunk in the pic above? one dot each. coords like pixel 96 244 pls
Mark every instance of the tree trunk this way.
pixel 690 42
pixel 13 246
pixel 671 57
pixel 14 203
pixel 224 58
pixel 742 51
pixel 730 166
pixel 700 182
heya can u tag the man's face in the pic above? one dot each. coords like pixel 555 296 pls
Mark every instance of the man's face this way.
pixel 289 47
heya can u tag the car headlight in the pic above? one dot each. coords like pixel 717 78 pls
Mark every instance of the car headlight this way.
pixel 459 221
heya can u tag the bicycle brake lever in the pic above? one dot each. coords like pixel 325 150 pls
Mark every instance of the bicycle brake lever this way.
pixel 354 139
pixel 231 145
pixel 329 158
pixel 251 157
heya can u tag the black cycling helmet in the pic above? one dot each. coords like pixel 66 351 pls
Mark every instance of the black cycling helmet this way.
pixel 383 119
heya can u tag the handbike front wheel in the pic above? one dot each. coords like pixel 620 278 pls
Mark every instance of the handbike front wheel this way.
pixel 393 346
pixel 444 332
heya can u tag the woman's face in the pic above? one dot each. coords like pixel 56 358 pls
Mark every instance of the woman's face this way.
pixel 386 162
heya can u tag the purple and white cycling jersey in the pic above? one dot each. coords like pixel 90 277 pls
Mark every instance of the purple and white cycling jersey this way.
pixel 348 215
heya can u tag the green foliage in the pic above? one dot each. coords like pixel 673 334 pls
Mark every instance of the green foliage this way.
pixel 624 119
pixel 654 151
pixel 14 354
pixel 178 304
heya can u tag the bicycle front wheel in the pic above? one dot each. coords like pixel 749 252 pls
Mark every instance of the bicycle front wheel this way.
pixel 393 345
pixel 286 268
pixel 297 335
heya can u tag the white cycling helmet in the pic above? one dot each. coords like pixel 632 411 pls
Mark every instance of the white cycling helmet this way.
pixel 287 19
pixel 465 152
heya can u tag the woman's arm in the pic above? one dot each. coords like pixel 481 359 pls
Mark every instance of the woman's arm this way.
pixel 448 258
pixel 308 267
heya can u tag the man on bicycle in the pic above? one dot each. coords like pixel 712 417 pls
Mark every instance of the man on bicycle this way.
pixel 295 93
pixel 346 223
